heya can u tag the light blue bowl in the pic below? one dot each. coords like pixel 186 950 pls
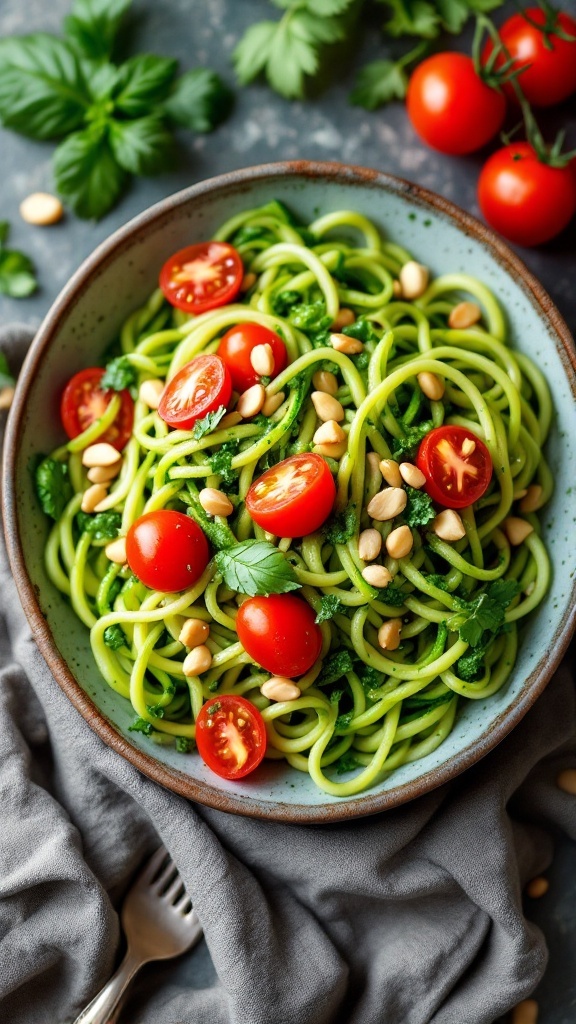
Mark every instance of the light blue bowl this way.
pixel 116 279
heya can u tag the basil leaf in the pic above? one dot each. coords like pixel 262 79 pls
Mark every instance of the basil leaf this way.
pixel 143 81
pixel 102 82
pixel 52 487
pixel 42 90
pixel 119 375
pixel 200 100
pixel 143 146
pixel 93 25
pixel 86 173
pixel 256 567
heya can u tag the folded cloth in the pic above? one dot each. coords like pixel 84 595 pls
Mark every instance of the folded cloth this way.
pixel 412 916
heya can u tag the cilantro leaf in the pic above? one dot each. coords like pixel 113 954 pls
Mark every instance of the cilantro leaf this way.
pixel 335 666
pixel 454 14
pixel 119 374
pixel 419 509
pixel 142 82
pixel 43 92
pixel 102 526
pixel 341 526
pixel 93 25
pixel 485 613
pixel 86 173
pixel 52 487
pixel 208 423
pixel 200 100
pixel 256 567
pixel 414 18
pixel 406 447
pixel 115 637
pixel 330 605
pixel 379 83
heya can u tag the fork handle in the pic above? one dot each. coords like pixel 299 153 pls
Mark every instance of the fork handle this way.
pixel 100 1010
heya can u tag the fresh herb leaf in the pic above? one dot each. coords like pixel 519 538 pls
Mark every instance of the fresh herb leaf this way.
pixel 156 710
pixel 143 82
pixel 119 374
pixel 412 17
pixel 283 302
pixel 218 532
pixel 436 579
pixel 335 666
pixel 330 605
pixel 392 595
pixel 405 448
pixel 248 234
pixel 336 695
pixel 114 637
pixel 416 707
pixel 362 330
pixel 346 763
pixel 470 667
pixel 93 26
pixel 379 83
pixel 17 277
pixel 6 378
pixel 343 721
pixel 256 567
pixel 143 146
pixel 183 744
pixel 341 526
pixel 485 613
pixel 86 173
pixel 370 678
pixel 208 423
pixel 419 509
pixel 53 487
pixel 43 93
pixel 200 100
pixel 221 462
pixel 102 526
pixel 141 725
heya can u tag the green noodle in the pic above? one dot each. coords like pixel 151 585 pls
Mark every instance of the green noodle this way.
pixel 376 710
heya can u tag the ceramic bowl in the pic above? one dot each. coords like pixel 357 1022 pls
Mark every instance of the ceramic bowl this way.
pixel 115 280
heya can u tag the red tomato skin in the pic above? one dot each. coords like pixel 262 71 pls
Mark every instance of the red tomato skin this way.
pixel 549 75
pixel 166 550
pixel 203 295
pixel 427 461
pixel 307 510
pixel 85 386
pixel 253 734
pixel 525 200
pixel 236 347
pixel 216 386
pixel 450 107
pixel 279 632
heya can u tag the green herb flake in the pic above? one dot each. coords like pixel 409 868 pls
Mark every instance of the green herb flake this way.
pixel 343 721
pixel 213 708
pixel 17 275
pixel 341 526
pixel 221 462
pixel 141 725
pixel 485 613
pixel 346 763
pixel 115 637
pixel 405 448
pixel 183 744
pixel 419 509
pixel 52 487
pixel 102 526
pixel 335 667
pixel 118 375
pixel 256 567
pixel 330 605
pixel 208 423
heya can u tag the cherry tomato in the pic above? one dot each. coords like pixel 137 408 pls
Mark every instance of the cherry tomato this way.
pixel 456 464
pixel 230 736
pixel 200 387
pixel 450 107
pixel 279 632
pixel 83 402
pixel 294 497
pixel 202 276
pixel 527 201
pixel 166 550
pixel 236 348
pixel 549 62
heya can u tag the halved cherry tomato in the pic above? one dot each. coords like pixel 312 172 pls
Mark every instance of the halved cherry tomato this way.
pixel 202 276
pixel 84 401
pixel 548 60
pixel 230 736
pixel 456 464
pixel 166 550
pixel 279 632
pixel 200 387
pixel 294 497
pixel 236 348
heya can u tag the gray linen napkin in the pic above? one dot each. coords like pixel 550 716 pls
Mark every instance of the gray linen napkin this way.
pixel 410 917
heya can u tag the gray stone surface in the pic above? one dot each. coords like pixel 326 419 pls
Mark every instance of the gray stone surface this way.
pixel 265 128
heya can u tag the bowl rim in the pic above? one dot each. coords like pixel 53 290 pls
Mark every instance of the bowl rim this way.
pixel 367 803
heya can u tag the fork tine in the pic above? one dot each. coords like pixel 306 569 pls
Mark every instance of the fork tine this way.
pixel 154 864
pixel 174 889
pixel 184 904
pixel 165 877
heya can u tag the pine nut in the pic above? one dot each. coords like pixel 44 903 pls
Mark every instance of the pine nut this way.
pixel 396 289
pixel 116 550
pixel 6 397
pixel 262 360
pixel 327 407
pixel 343 318
pixel 41 209
pixel 215 502
pixel 448 526
pixel 248 282
pixel 389 634
pixel 525 1012
pixel 411 475
pixel 413 279
pixel 349 346
pixel 279 688
pixel 197 661
pixel 468 446
pixel 369 545
pixel 537 887
pixel 329 433
pixel 272 403
pixel 391 472
pixel 566 781
pixel 251 401
pixel 325 381
pixel 532 499
pixel 377 575
pixel 150 392
pixel 103 474
pixel 331 451
pixel 231 419
pixel 431 385
pixel 194 632
pixel 92 497
pixel 517 530
pixel 387 504
pixel 464 315
pixel 100 454
pixel 399 542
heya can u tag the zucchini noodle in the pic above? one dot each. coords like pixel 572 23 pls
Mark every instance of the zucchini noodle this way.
pixel 363 711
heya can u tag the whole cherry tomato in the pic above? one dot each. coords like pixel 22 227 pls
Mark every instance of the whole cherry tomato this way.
pixel 294 497
pixel 200 387
pixel 548 60
pixel 279 633
pixel 202 276
pixel 236 348
pixel 456 464
pixel 166 550
pixel 230 736
pixel 84 401
pixel 527 201
pixel 449 105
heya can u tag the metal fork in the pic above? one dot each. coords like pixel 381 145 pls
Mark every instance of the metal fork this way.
pixel 159 922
